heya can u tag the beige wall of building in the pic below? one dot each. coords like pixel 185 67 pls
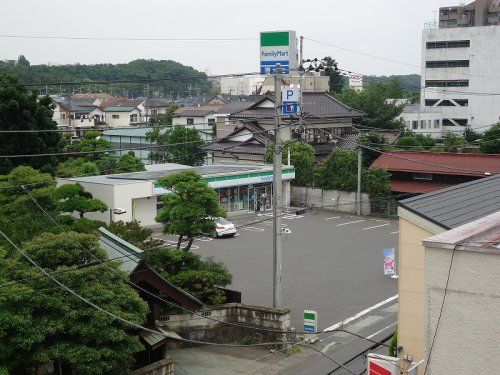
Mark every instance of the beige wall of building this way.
pixel 411 265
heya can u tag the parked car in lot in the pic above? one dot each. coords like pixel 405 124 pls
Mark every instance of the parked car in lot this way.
pixel 223 227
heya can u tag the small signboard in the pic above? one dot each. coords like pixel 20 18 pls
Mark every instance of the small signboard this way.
pixel 310 321
pixel 278 47
pixel 378 364
pixel 389 262
pixel 290 98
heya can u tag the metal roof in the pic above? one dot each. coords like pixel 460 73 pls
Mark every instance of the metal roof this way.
pixel 458 204
pixel 133 132
pixel 439 163
pixel 119 109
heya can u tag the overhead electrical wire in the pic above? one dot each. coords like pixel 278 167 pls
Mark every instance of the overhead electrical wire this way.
pixel 142 39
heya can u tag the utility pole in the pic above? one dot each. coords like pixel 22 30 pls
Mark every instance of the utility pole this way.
pixel 277 190
pixel 358 193
pixel 301 79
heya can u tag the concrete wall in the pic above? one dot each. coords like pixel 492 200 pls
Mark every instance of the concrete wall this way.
pixel 467 339
pixel 335 200
pixel 123 118
pixel 195 327
pixel 163 367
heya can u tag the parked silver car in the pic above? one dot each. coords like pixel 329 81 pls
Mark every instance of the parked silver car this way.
pixel 224 228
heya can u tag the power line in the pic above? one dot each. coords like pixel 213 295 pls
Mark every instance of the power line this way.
pixel 145 39
pixel 145 80
pixel 123 320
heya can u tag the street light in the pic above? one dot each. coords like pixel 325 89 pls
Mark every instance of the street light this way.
pixel 116 211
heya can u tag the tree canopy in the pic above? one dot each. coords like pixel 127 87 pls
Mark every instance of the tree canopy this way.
pixel 141 69
pixel 188 210
pixel 183 145
pixel 301 157
pixel 490 141
pixel 21 109
pixel 41 324
pixel 73 198
pixel 373 100
pixel 165 119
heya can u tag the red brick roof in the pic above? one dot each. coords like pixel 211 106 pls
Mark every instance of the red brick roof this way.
pixel 439 163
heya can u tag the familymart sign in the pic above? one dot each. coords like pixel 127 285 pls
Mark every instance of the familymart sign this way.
pixel 278 47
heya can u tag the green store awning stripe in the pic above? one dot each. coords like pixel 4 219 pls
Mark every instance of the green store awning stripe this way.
pixel 239 176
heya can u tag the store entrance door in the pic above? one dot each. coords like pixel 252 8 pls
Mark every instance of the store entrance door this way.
pixel 260 197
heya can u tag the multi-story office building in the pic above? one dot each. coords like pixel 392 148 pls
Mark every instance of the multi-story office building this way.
pixel 477 13
pixel 460 74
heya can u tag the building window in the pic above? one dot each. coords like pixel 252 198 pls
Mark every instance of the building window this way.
pixel 115 116
pixel 448 44
pixel 422 176
pixel 436 124
pixel 211 121
pixel 133 118
pixel 430 102
pixel 447 64
pixel 422 124
pixel 462 102
pixel 414 124
pixel 447 83
pixel 429 124
pixel 154 112
pixel 190 121
pixel 446 103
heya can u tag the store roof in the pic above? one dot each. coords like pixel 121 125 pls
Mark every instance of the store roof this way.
pixel 416 187
pixel 133 132
pixel 458 204
pixel 439 163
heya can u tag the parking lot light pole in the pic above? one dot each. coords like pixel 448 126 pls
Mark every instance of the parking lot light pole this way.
pixel 277 191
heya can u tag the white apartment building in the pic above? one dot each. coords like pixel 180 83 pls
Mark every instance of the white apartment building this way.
pixel 460 81
pixel 246 85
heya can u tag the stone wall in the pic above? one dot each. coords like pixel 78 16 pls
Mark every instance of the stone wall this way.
pixel 334 200
pixel 195 327
pixel 163 367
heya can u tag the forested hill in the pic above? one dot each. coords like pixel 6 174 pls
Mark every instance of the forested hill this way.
pixel 410 82
pixel 137 70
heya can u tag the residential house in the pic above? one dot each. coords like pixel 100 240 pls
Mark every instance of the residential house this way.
pixel 462 274
pixel 123 113
pixel 202 118
pixel 134 139
pixel 421 217
pixel 156 107
pixel 78 114
pixel 325 119
pixel 422 172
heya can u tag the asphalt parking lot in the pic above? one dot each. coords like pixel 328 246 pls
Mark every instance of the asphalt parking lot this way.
pixel 332 262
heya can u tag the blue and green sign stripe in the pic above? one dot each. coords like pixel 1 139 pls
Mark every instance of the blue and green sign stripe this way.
pixel 272 39
pixel 238 176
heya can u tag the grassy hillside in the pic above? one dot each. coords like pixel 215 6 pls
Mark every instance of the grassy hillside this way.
pixel 136 70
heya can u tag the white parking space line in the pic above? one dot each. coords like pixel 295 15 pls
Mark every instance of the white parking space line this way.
pixel 333 217
pixel 350 222
pixel 271 224
pixel 203 239
pixel 376 226
pixel 394 232
pixel 254 229
pixel 382 330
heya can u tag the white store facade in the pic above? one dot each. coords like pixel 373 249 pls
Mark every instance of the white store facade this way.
pixel 238 186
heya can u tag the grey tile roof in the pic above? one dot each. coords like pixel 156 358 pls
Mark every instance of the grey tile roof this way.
pixel 459 204
pixel 315 105
pixel 237 148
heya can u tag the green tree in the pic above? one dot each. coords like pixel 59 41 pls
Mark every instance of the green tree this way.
pixel 490 141
pixel 107 164
pixel 133 233
pixel 380 113
pixel 336 80
pixel 129 163
pixel 20 218
pixel 40 324
pixel 92 141
pixel 340 170
pixel 453 142
pixel 374 140
pixel 409 143
pixel 200 277
pixel 471 135
pixel 188 209
pixel 301 157
pixel 73 198
pixel 23 110
pixel 181 145
pixel 74 167
pixel 377 183
pixel 165 119
pixel 426 141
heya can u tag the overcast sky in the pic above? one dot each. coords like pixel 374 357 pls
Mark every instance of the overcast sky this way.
pixel 386 28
